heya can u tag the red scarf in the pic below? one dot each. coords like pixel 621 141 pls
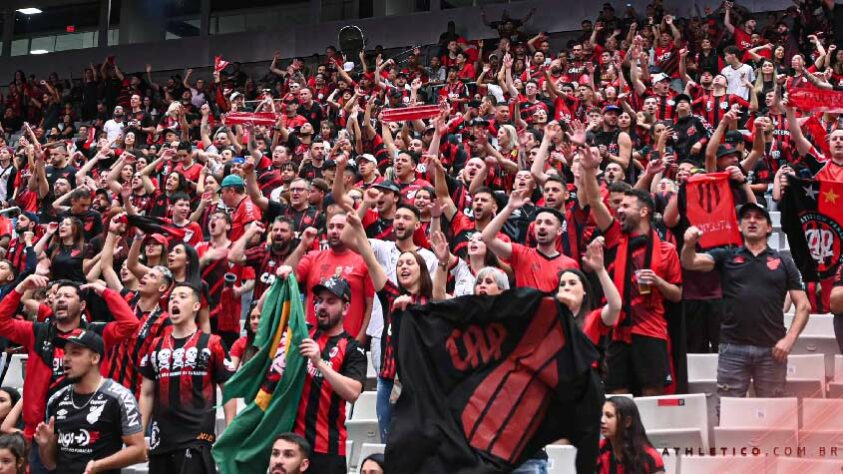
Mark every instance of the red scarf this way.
pixel 622 269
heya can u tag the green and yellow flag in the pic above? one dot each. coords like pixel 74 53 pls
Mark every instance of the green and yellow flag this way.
pixel 244 446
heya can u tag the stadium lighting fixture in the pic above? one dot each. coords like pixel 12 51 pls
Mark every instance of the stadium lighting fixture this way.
pixel 39 51
pixel 29 11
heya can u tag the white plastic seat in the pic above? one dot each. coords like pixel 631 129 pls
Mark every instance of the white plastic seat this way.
pixel 765 423
pixel 835 385
pixel 361 431
pixel 675 420
pixel 367 450
pixel 816 338
pixel 822 427
pixel 790 465
pixel 806 375
pixel 722 464
pixel 365 408
pixel 561 459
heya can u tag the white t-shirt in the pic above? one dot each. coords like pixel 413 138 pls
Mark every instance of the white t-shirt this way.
pixel 387 253
pixel 734 80
pixel 113 129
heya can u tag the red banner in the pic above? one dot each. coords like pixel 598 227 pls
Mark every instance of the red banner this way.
pixel 411 113
pixel 254 118
pixel 812 99
pixel 709 205
pixel 220 63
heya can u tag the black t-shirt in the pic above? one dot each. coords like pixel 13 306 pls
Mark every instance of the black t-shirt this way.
pixel 754 289
pixel 91 427
pixel 53 174
pixel 309 217
pixel 66 263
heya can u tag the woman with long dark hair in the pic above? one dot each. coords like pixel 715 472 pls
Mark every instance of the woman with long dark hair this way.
pixel 66 251
pixel 183 262
pixel 625 448
pixel 13 454
pixel 413 286
pixel 576 294
pixel 243 349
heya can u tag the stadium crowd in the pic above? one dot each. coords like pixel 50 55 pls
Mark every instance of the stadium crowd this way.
pixel 152 217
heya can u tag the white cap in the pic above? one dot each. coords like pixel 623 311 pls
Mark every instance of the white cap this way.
pixel 348 67
pixel 659 77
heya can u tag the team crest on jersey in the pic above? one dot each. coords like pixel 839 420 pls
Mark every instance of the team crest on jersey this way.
pixel 333 352
pixel 773 263
pixel 95 413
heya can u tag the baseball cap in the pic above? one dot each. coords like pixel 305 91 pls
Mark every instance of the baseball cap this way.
pixel 159 238
pixel 734 136
pixel 32 216
pixel 758 207
pixel 681 97
pixel 659 77
pixel 171 130
pixel 231 181
pixel 290 98
pixel 85 338
pixel 369 157
pixel 612 108
pixel 235 95
pixel 388 186
pixel 337 286
pixel 727 149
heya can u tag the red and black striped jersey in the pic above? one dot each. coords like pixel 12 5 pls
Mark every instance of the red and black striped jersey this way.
pixel 265 262
pixel 186 372
pixel 125 356
pixel 17 254
pixel 321 412
pixel 712 108
pixel 377 227
pixel 214 275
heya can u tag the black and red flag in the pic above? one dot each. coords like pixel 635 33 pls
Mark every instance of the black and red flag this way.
pixel 487 382
pixel 707 201
pixel 155 225
pixel 812 218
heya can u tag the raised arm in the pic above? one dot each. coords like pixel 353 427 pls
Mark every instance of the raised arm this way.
pixel 593 261
pixel 590 161
pixel 354 237
pixel 490 233
pixel 691 260
pixel 803 146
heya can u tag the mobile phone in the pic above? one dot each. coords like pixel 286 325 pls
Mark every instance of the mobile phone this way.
pixel 238 160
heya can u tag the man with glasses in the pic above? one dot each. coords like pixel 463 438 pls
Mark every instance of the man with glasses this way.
pixel 299 210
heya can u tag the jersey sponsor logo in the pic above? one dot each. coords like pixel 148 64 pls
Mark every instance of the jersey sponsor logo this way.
pixel 78 438
pixel 154 436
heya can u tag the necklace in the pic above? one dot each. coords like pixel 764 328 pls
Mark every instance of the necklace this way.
pixel 73 395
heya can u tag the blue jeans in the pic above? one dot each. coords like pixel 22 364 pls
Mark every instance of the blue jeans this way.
pixel 738 364
pixel 383 407
pixel 532 466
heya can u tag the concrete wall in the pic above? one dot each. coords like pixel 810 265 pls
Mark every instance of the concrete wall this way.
pixel 304 40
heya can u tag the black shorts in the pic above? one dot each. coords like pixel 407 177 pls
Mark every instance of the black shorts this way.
pixel 642 364
pixel 192 460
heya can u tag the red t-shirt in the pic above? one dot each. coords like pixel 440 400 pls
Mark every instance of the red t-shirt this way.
pixel 831 172
pixel 537 271
pixel 317 266
pixel 647 310
pixel 245 213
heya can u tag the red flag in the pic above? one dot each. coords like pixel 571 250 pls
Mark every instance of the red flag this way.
pixel 813 99
pixel 709 205
pixel 254 118
pixel 818 134
pixel 411 113
pixel 830 200
pixel 220 63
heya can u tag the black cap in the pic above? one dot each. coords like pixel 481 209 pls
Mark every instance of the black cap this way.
pixel 388 186
pixel 734 136
pixel 681 97
pixel 337 286
pixel 727 149
pixel 171 130
pixel 750 206
pixel 85 338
